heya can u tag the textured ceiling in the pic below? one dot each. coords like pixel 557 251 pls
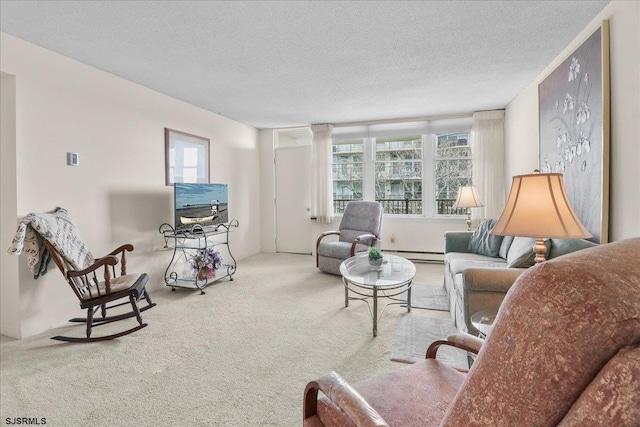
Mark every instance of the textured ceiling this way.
pixel 278 63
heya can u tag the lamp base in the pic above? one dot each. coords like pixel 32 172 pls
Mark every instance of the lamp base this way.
pixel 540 249
pixel 468 219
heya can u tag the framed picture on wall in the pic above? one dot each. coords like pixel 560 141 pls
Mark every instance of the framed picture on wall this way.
pixel 574 108
pixel 186 157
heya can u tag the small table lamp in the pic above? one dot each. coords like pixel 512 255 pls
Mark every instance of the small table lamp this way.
pixel 468 198
pixel 538 207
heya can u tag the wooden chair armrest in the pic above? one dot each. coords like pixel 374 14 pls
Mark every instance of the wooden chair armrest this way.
pixel 372 238
pixel 459 340
pixel 107 260
pixel 127 247
pixel 343 395
pixel 322 236
pixel 123 259
pixel 467 340
pixel 325 234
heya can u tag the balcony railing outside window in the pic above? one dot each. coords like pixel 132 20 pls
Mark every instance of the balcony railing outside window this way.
pixel 405 206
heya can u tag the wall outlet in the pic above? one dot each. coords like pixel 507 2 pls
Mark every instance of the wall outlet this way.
pixel 393 238
pixel 73 159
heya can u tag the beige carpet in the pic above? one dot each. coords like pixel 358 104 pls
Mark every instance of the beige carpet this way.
pixel 238 356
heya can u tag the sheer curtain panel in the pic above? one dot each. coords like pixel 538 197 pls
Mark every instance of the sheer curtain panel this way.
pixel 322 188
pixel 487 147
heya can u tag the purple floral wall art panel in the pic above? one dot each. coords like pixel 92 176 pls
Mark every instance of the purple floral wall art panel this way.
pixel 574 129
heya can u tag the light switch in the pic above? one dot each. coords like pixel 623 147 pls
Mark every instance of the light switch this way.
pixel 73 159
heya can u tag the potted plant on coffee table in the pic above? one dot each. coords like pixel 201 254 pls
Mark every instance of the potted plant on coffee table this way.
pixel 375 257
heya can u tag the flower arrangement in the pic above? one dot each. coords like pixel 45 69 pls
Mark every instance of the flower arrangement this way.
pixel 205 263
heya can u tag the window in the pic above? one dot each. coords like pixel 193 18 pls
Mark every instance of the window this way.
pixel 347 172
pixel 391 170
pixel 398 174
pixel 292 137
pixel 453 170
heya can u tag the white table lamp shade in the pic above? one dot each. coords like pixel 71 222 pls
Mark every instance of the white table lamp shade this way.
pixel 467 198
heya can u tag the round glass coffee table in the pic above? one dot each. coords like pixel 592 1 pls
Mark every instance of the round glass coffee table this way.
pixel 391 279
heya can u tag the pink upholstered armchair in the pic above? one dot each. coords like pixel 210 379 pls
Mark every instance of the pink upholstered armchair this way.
pixel 565 350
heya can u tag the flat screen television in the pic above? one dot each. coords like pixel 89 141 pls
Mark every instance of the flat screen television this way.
pixel 200 204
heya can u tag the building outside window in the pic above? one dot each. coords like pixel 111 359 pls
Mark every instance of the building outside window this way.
pixel 398 174
pixel 394 171
pixel 347 172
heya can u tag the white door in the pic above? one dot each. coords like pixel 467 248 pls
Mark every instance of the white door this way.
pixel 293 200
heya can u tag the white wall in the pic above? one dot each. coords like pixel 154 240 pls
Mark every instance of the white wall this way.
pixel 117 193
pixel 9 290
pixel 521 117
pixel 411 234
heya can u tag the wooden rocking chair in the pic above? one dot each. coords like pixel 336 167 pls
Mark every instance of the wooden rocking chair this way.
pixel 94 294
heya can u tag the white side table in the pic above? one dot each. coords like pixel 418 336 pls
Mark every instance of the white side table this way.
pixel 483 321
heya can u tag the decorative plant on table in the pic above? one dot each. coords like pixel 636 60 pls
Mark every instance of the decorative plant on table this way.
pixel 375 257
pixel 205 263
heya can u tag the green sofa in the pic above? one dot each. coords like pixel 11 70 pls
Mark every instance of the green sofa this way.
pixel 477 281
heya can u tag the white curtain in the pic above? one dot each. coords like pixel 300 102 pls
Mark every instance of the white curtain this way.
pixel 322 187
pixel 487 147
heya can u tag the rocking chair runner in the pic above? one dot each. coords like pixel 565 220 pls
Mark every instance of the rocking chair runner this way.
pixel 94 294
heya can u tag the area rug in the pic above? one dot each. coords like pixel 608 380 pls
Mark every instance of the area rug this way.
pixel 429 297
pixel 414 334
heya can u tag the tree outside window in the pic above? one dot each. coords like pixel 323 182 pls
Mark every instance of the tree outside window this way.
pixel 453 170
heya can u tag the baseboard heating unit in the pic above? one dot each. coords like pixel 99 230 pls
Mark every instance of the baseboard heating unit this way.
pixel 435 257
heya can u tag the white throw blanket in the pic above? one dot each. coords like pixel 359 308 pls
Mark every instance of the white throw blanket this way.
pixel 58 229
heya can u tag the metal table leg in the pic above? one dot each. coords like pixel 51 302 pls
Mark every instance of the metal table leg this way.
pixel 373 292
pixel 375 311
pixel 346 292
